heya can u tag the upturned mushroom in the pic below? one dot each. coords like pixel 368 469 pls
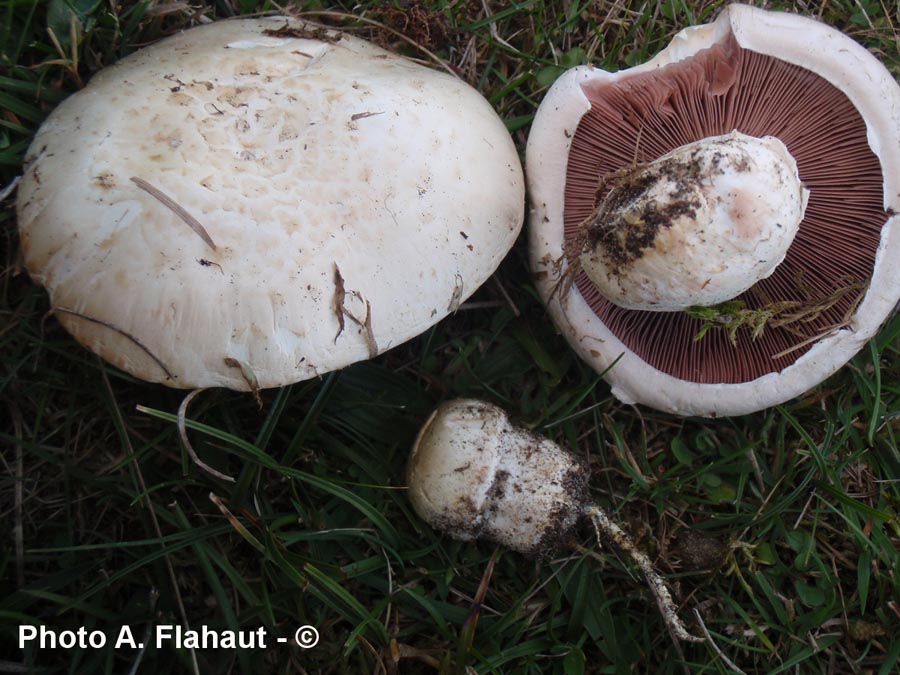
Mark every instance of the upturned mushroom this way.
pixel 475 475
pixel 256 202
pixel 716 229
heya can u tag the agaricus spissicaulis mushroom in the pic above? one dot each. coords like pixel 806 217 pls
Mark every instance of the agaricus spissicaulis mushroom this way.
pixel 474 475
pixel 720 222
pixel 256 202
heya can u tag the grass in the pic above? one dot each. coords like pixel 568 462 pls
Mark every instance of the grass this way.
pixel 780 528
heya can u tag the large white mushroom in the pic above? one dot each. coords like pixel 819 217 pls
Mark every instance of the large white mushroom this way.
pixel 747 177
pixel 256 202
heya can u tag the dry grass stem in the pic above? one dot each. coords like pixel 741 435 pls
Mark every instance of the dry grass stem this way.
pixel 148 633
pixel 380 26
pixel 182 434
pixel 176 208
pixel 7 189
pixel 18 527
pixel 129 451
pixel 236 524
pixel 125 334
pixel 733 315
pixel 712 643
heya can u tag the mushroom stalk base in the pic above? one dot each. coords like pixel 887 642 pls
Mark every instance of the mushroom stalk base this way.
pixel 607 529
pixel 697 226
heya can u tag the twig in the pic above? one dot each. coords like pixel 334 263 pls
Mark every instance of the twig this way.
pixel 757 472
pixel 405 651
pixel 607 529
pixel 145 496
pixel 182 433
pixel 176 208
pixel 830 330
pixel 812 495
pixel 509 300
pixel 380 668
pixel 390 589
pixel 467 632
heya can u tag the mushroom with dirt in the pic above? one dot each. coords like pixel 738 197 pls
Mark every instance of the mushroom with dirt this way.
pixel 715 230
pixel 255 202
pixel 474 475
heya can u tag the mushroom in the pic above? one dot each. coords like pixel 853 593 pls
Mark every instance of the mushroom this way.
pixel 475 475
pixel 256 202
pixel 716 229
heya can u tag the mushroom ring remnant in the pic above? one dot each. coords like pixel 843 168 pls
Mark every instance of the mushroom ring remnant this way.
pixel 256 202
pixel 791 248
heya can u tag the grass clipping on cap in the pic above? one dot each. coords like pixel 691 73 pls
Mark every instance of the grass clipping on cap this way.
pixel 734 315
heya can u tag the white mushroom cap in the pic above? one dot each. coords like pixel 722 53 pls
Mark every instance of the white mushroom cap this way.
pixel 474 475
pixel 336 201
pixel 654 361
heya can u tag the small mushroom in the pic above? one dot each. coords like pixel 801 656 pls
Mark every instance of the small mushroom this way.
pixel 474 475
pixel 255 202
pixel 716 229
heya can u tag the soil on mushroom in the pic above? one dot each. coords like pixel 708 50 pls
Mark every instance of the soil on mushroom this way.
pixel 622 238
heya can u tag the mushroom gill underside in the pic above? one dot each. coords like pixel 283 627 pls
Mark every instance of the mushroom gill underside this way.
pixel 826 270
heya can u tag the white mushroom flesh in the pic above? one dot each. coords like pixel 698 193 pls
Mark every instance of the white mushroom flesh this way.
pixel 474 475
pixel 697 226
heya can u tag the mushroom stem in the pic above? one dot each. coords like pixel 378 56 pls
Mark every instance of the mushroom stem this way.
pixel 475 475
pixel 698 226
pixel 607 529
